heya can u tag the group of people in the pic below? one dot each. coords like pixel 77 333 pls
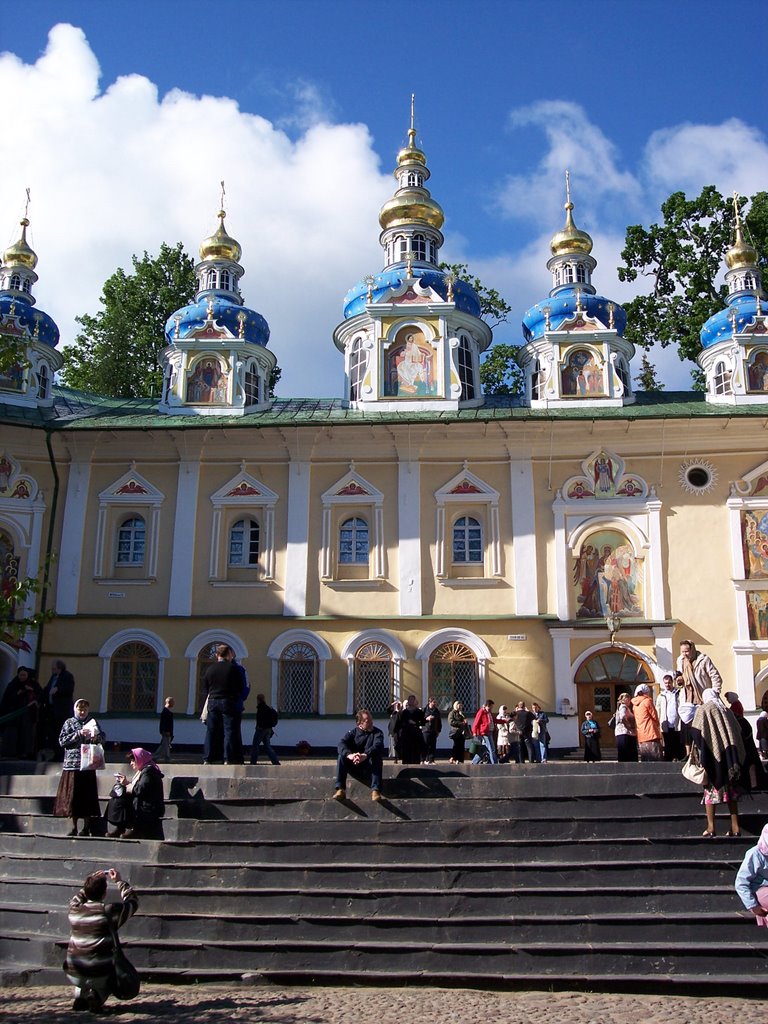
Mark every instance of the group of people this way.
pixel 32 715
pixel 136 805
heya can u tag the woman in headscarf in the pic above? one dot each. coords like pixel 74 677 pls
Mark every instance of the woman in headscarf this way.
pixel 753 776
pixel 78 793
pixel 146 787
pixel 625 729
pixel 457 731
pixel 394 710
pixel 646 724
pixel 590 730
pixel 716 736
pixel 752 879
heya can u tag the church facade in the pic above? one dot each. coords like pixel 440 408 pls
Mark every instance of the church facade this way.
pixel 413 535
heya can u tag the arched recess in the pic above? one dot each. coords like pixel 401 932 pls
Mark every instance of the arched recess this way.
pixel 637 537
pixel 208 636
pixel 761 686
pixel 300 636
pixel 431 643
pixel 604 671
pixel 370 636
pixel 129 636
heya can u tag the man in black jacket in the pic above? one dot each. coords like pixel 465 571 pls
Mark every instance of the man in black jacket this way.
pixel 223 684
pixel 361 753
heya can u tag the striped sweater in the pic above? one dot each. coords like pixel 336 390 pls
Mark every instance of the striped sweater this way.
pixel 89 954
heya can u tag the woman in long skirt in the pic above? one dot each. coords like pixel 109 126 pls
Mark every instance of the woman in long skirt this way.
pixel 78 794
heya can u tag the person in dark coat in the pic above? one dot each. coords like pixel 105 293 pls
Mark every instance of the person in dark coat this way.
pixel 433 724
pixel 524 720
pixel 409 739
pixel 590 730
pixel 58 695
pixel 146 788
pixel 361 754
pixel 78 793
pixel 223 685
pixel 21 700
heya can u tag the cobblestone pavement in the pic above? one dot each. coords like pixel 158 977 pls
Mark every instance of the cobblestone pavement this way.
pixel 211 1004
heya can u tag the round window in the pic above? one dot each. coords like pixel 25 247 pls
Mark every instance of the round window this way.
pixel 697 476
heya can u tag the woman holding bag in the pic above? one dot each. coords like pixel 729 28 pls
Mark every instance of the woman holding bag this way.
pixel 78 794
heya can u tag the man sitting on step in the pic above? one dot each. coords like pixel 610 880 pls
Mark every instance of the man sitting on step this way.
pixel 361 754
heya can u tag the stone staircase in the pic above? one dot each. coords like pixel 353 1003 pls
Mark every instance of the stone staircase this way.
pixel 535 876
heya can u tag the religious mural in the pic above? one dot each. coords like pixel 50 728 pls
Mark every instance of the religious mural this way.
pixel 607 577
pixel 757 614
pixel 12 378
pixel 410 366
pixel 757 372
pixel 754 535
pixel 207 384
pixel 581 376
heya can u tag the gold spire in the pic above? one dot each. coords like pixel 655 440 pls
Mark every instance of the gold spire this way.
pixel 570 239
pixel 220 245
pixel 741 253
pixel 20 253
pixel 411 204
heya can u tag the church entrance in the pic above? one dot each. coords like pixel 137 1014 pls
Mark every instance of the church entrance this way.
pixel 599 681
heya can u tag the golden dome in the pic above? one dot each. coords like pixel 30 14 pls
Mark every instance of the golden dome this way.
pixel 220 245
pixel 570 239
pixel 20 254
pixel 411 153
pixel 416 207
pixel 741 253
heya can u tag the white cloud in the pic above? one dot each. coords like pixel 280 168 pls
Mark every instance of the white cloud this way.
pixel 118 171
pixel 732 155
pixel 575 144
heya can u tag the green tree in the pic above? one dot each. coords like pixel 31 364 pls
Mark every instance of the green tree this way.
pixel 647 379
pixel 117 353
pixel 500 372
pixel 683 257
pixel 13 596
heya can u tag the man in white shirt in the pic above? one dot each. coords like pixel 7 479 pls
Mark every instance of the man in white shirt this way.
pixel 668 710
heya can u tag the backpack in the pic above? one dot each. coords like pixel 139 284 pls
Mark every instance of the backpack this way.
pixel 270 717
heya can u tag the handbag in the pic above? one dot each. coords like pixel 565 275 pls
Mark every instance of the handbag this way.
pixel 204 712
pixel 694 771
pixel 91 757
pixel 124 982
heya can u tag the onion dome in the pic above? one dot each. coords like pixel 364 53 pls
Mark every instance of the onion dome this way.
pixel 41 327
pixel 738 314
pixel 741 253
pixel 464 295
pixel 220 245
pixel 571 238
pixel 20 254
pixel 552 313
pixel 245 324
pixel 411 203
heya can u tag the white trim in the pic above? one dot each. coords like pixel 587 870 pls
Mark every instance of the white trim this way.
pixel 483 495
pixel 129 636
pixel 182 560
pixel 297 540
pixel 71 547
pixel 371 499
pixel 146 503
pixel 525 562
pixel 409 537
pixel 195 645
pixel 479 648
pixel 263 501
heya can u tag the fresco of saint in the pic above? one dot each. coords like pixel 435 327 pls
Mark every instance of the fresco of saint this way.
pixel 207 384
pixel 754 534
pixel 410 367
pixel 757 614
pixel 581 376
pixel 606 577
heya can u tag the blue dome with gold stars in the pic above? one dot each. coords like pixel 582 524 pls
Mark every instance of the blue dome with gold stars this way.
pixel 222 312
pixel 720 326
pixel 464 295
pixel 28 318
pixel 563 306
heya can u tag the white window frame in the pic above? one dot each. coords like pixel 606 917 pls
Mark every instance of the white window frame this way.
pixel 132 636
pixel 448 499
pixel 245 494
pixel 368 636
pixel 364 497
pixel 131 495
pixel 321 649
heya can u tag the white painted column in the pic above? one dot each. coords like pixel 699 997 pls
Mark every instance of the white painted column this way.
pixel 665 656
pixel 182 561
pixel 72 531
pixel 567 730
pixel 562 588
pixel 526 579
pixel 409 536
pixel 658 606
pixel 297 541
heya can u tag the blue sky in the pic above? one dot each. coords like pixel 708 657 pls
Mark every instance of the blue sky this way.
pixel 123 131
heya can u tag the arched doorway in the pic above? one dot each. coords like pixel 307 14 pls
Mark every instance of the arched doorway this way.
pixel 601 678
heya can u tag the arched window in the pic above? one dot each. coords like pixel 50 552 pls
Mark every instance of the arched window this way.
pixel 226 280
pixel 414 180
pixel 131 541
pixel 537 381
pixel 26 285
pixel 205 658
pixel 419 247
pixel 721 378
pixel 210 278
pixel 43 381
pixel 244 543
pixel 251 384
pixel 453 675
pixel 581 273
pixel 622 372
pixel 467 540
pixel 466 370
pixel 357 365
pixel 403 247
pixel 353 542
pixel 374 677
pixel 749 281
pixel 297 691
pixel 15 283
pixel 133 678
pixel 568 273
